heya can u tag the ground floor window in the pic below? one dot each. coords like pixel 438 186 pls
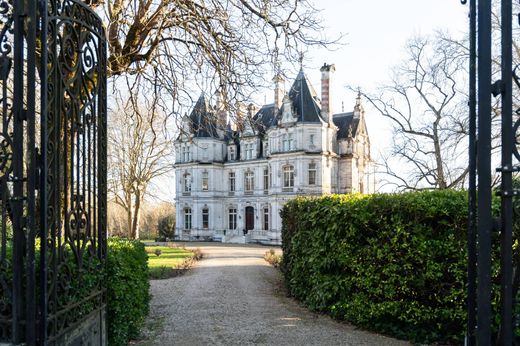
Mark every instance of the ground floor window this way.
pixel 205 218
pixel 266 219
pixel 187 218
pixel 232 218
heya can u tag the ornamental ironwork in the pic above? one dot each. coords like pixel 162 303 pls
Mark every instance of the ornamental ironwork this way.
pixel 52 169
pixel 482 226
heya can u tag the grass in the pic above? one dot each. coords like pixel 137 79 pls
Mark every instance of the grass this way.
pixel 147 240
pixel 168 262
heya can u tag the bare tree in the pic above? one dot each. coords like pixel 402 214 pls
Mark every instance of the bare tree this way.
pixel 227 43
pixel 139 150
pixel 426 102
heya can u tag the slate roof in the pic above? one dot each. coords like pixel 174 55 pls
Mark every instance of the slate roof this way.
pixel 265 117
pixel 343 121
pixel 304 100
pixel 305 104
pixel 203 121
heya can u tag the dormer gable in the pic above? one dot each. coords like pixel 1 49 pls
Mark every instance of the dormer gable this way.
pixel 288 115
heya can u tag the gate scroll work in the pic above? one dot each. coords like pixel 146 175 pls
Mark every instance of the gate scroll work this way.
pixel 52 173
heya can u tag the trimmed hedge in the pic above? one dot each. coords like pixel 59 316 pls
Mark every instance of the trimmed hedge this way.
pixel 393 263
pixel 128 294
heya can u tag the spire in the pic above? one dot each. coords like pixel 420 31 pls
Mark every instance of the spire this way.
pixel 279 88
pixel 358 108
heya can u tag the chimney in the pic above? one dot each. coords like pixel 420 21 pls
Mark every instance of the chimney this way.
pixel 326 98
pixel 278 91
pixel 220 109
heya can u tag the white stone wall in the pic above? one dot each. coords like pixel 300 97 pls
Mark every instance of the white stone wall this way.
pixel 334 174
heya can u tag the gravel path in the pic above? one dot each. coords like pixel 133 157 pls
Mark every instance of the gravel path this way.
pixel 233 297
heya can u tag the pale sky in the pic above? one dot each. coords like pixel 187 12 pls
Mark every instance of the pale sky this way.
pixel 376 32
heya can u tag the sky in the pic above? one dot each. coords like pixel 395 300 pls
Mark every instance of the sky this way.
pixel 375 36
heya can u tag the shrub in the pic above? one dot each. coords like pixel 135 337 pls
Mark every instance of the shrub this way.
pixel 272 258
pixel 127 290
pixel 394 263
pixel 166 227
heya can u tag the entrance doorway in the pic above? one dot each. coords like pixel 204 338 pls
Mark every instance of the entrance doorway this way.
pixel 250 218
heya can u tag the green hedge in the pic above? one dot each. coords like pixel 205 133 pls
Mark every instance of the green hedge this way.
pixel 394 263
pixel 128 294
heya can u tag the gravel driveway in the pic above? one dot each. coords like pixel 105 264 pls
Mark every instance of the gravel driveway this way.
pixel 233 297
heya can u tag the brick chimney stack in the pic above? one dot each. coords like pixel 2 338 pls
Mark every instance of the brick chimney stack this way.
pixel 221 109
pixel 279 91
pixel 326 98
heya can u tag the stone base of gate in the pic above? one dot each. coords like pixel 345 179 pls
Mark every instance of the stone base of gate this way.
pixel 92 331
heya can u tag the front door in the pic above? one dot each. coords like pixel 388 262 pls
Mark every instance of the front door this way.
pixel 250 218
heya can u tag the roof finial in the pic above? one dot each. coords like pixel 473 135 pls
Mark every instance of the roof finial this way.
pixel 301 59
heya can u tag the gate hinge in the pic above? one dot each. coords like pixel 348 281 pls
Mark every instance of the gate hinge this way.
pixel 508 169
pixel 508 193
pixel 497 88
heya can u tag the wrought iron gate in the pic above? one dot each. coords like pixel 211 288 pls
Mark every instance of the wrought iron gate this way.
pixel 52 170
pixel 481 225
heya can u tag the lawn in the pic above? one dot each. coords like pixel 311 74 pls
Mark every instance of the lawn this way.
pixel 164 265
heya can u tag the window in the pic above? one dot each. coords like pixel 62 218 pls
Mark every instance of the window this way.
pixel 232 181
pixel 312 174
pixel 291 142
pixel 185 154
pixel 248 151
pixel 249 182
pixel 266 180
pixel 187 218
pixel 205 218
pixel 232 218
pixel 187 183
pixel 288 177
pixel 232 156
pixel 285 143
pixel 251 146
pixel 205 181
pixel 266 219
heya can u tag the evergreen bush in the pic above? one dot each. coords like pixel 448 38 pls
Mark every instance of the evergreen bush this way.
pixel 393 263
pixel 128 294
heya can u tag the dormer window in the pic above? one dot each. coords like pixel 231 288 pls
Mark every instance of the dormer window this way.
pixel 291 142
pixel 248 151
pixel 185 154
pixel 285 143
pixel 232 154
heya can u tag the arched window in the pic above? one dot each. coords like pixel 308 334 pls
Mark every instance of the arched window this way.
pixel 288 177
pixel 187 218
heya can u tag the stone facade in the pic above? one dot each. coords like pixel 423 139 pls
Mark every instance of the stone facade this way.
pixel 232 184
